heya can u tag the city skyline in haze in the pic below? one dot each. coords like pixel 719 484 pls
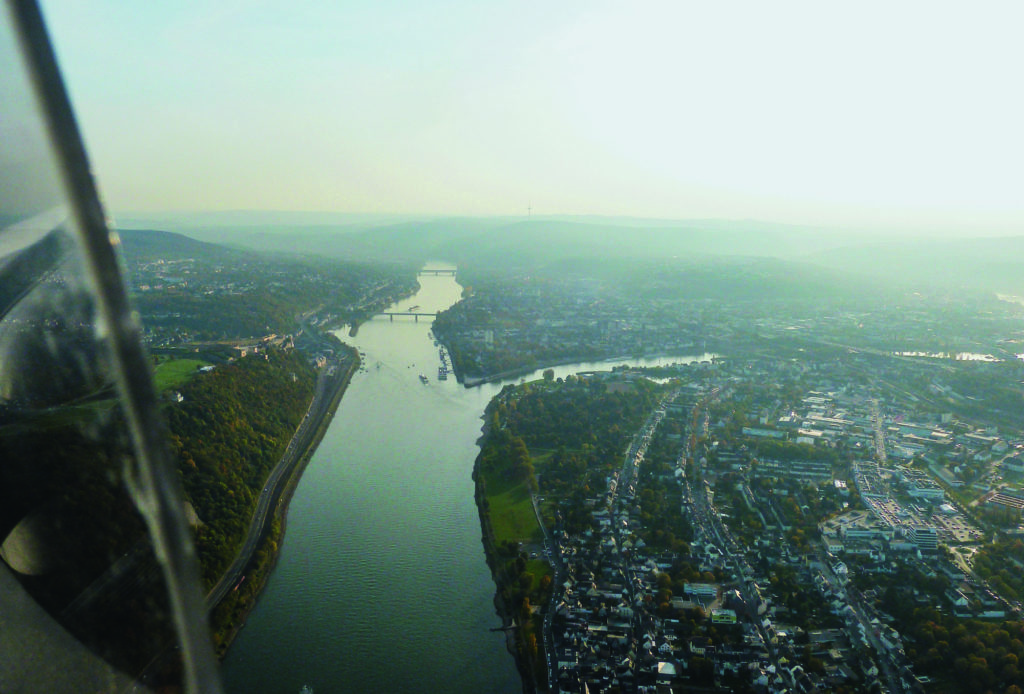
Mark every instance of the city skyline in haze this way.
pixel 874 115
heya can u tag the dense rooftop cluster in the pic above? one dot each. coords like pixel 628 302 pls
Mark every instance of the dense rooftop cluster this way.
pixel 515 324
pixel 827 520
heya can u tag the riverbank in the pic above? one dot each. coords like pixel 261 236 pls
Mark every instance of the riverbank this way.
pixel 384 516
pixel 263 559
pixel 473 381
pixel 504 610
pixel 507 562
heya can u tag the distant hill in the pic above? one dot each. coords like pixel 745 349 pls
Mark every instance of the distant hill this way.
pixel 990 264
pixel 732 278
pixel 526 240
pixel 143 245
pixel 517 239
pixel 579 244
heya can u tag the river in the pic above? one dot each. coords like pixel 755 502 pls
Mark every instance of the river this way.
pixel 381 583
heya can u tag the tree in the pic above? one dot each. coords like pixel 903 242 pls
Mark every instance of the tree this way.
pixel 549 375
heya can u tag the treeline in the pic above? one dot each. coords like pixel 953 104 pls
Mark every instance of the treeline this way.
pixel 580 412
pixel 505 480
pixel 992 392
pixel 523 584
pixel 588 424
pixel 663 525
pixel 506 457
pixel 966 655
pixel 774 449
pixel 232 427
pixel 1000 564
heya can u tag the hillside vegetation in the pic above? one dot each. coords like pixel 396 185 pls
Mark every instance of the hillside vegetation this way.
pixel 227 434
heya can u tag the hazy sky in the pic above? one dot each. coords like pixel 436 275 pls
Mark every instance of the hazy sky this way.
pixel 814 112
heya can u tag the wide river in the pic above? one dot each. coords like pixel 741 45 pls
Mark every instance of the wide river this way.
pixel 381 584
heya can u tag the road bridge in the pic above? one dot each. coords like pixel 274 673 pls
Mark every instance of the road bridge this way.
pixel 448 273
pixel 415 314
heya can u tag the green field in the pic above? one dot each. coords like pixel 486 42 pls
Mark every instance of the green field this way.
pixel 174 372
pixel 512 516
pixel 539 568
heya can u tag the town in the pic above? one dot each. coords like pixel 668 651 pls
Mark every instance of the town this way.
pixel 826 496
pixel 511 322
pixel 192 293
pixel 837 522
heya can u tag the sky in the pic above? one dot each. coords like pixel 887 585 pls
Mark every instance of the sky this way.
pixel 874 114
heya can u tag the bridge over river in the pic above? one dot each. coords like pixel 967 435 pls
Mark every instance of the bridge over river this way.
pixel 415 314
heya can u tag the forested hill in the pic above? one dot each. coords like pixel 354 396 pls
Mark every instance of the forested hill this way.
pixel 188 290
pixel 991 264
pixel 528 241
pixel 231 428
pixel 150 245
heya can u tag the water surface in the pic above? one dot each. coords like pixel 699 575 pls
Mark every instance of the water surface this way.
pixel 382 584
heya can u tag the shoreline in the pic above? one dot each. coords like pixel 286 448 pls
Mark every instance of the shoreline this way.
pixel 474 381
pixel 283 493
pixel 529 685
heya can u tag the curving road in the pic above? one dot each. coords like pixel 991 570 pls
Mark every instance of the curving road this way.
pixel 330 379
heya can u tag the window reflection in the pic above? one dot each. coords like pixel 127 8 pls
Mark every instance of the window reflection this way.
pixel 83 601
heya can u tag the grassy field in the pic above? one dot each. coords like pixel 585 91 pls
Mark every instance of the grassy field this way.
pixel 174 372
pixel 539 568
pixel 512 515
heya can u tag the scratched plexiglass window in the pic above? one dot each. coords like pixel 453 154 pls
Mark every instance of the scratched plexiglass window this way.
pixel 83 600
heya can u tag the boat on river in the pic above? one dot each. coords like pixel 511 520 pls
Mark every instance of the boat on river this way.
pixel 424 379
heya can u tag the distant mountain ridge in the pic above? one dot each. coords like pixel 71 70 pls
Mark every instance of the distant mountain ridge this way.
pixel 493 244
pixel 153 244
pixel 464 238
pixel 991 264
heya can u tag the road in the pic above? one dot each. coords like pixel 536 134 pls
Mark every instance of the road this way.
pixel 708 523
pixel 554 556
pixel 634 456
pixel 884 659
pixel 330 378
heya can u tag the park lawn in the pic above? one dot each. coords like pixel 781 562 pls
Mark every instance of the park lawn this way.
pixel 539 568
pixel 512 516
pixel 174 372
